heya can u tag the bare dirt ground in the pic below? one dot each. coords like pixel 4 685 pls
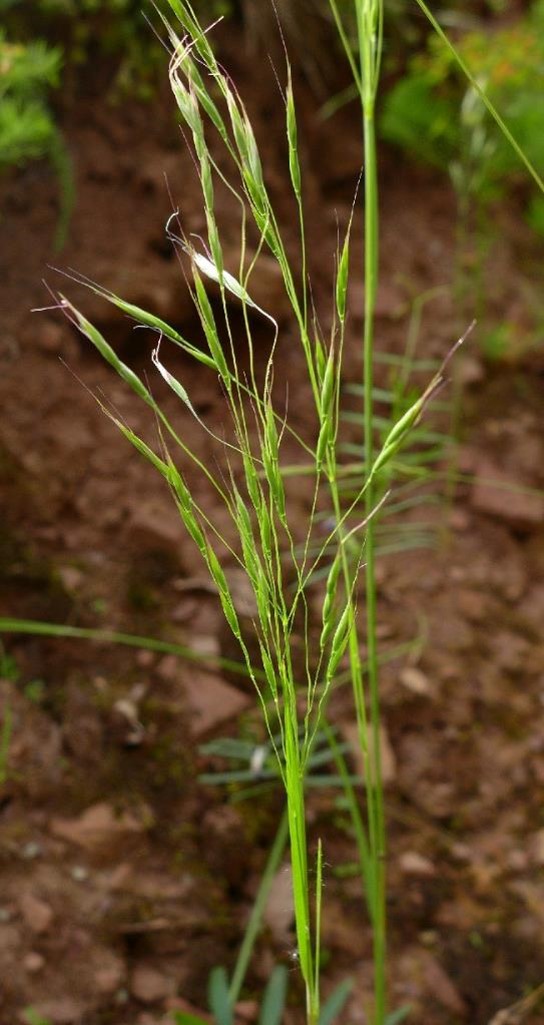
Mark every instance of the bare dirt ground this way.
pixel 124 879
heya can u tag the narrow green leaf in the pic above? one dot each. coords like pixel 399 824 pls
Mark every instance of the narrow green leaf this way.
pixel 218 997
pixel 33 1018
pixel 273 1004
pixel 255 919
pixel 399 1015
pixel 335 1003
pixel 182 1018
pixel 36 628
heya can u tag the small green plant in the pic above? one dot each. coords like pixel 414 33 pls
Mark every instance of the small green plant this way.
pixel 27 127
pixel 9 669
pixel 5 740
pixel 33 1018
pixel 28 71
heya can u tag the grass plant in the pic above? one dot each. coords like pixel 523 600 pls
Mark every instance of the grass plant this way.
pixel 250 484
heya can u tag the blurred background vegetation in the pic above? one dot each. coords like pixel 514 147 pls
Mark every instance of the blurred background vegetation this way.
pixel 51 49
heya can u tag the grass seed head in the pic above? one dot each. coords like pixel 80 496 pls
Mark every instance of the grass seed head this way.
pixel 339 641
pixel 206 182
pixel 342 281
pixel 270 672
pixel 328 385
pixel 207 320
pixel 107 352
pixel 203 96
pixel 252 480
pixel 237 123
pixel 323 440
pixel 327 615
pixel 292 139
pixel 265 529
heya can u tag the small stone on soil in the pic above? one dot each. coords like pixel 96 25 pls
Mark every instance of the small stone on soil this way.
pixel 499 495
pixel 388 758
pixel 206 645
pixel 36 913
pixel 414 864
pixel 424 969
pixel 64 1011
pixel 517 861
pixel 99 826
pixel 145 659
pixel 247 1010
pixel 472 604
pixel 31 850
pixel 155 526
pixel 416 681
pixel 110 976
pixel 470 371
pixel 149 985
pixel 459 520
pixel 79 873
pixel 278 913
pixel 211 701
pixel 33 962
pixel 71 578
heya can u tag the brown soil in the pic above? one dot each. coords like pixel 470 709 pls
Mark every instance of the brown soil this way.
pixel 124 879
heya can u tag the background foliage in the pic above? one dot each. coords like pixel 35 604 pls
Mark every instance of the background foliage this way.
pixel 431 114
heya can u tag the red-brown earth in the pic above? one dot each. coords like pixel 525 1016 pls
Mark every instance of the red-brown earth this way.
pixel 125 880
